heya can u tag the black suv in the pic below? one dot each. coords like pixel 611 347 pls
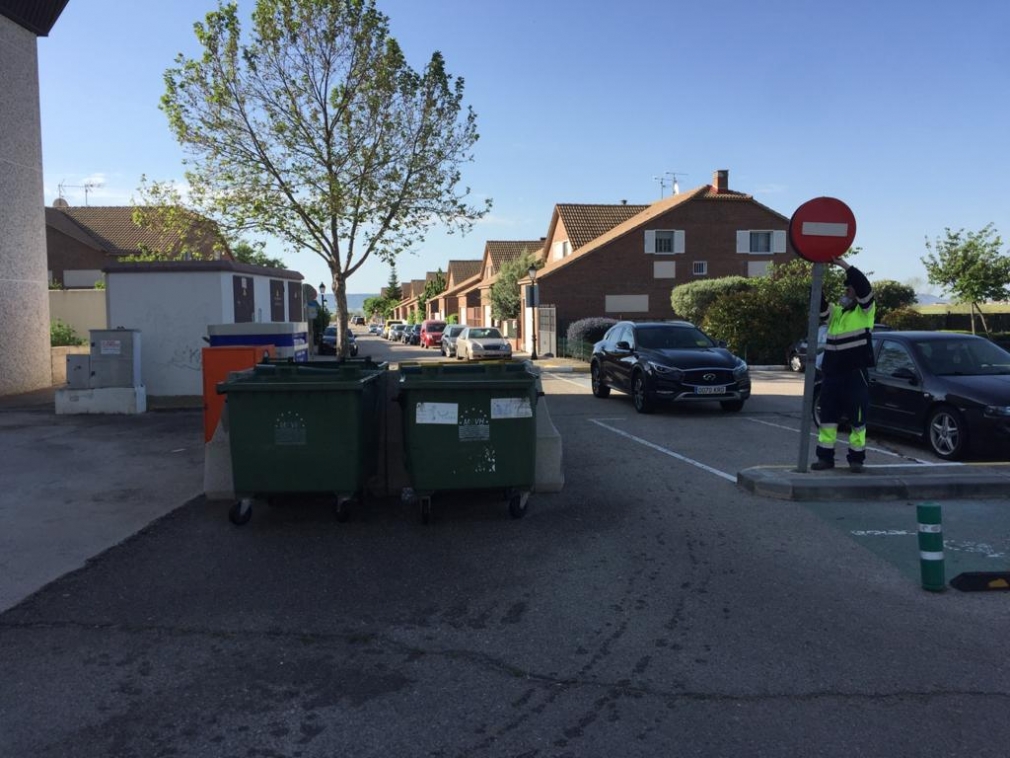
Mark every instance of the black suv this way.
pixel 668 360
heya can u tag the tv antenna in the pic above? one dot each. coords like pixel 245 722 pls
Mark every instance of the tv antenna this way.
pixel 87 187
pixel 664 182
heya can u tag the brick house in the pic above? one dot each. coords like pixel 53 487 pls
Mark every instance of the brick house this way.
pixel 629 270
pixel 460 274
pixel 80 242
pixel 496 254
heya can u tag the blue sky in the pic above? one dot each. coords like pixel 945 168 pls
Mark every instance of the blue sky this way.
pixel 900 109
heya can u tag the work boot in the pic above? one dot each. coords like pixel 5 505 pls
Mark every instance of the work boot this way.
pixel 821 465
pixel 855 467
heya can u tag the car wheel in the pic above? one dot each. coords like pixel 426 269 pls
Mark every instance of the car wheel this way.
pixel 795 362
pixel 599 388
pixel 946 433
pixel 640 394
pixel 731 406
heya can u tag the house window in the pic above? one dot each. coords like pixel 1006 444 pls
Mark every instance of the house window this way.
pixel 699 268
pixel 664 241
pixel 664 270
pixel 760 241
pixel 561 249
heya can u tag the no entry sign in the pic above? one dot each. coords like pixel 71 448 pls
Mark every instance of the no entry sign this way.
pixel 822 229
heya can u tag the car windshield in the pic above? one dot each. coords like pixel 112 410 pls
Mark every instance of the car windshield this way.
pixel 331 331
pixel 671 338
pixel 484 334
pixel 965 357
pixel 452 331
pixel 436 327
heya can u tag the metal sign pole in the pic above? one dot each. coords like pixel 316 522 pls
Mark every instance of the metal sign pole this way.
pixel 810 367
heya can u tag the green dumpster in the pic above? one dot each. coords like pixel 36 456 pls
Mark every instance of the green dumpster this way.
pixel 469 426
pixel 302 429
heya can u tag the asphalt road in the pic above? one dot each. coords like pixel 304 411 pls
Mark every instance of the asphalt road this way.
pixel 651 608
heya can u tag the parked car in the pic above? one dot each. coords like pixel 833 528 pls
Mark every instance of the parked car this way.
pixel 328 344
pixel 358 321
pixel 482 342
pixel 449 336
pixel 950 390
pixel 431 333
pixel 667 360
pixel 387 327
pixel 412 334
pixel 375 329
pixel 396 332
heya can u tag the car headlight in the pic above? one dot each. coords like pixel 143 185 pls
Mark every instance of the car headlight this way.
pixel 997 410
pixel 740 370
pixel 667 372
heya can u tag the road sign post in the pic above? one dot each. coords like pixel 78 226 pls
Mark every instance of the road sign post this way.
pixel 820 230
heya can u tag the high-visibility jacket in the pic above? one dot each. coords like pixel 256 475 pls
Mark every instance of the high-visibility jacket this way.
pixel 848 346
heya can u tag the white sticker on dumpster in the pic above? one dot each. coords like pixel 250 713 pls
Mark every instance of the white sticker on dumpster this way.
pixel 511 407
pixel 437 413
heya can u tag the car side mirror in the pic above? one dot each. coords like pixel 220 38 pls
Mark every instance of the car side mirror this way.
pixel 906 373
pixel 623 345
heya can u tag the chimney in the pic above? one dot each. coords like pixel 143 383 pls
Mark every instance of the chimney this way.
pixel 720 180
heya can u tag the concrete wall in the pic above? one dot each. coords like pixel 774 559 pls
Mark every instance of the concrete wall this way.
pixel 24 303
pixel 83 310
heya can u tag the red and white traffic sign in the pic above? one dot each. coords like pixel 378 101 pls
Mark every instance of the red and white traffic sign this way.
pixel 822 229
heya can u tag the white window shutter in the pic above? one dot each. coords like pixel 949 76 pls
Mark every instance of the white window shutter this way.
pixel 778 242
pixel 678 242
pixel 650 241
pixel 743 242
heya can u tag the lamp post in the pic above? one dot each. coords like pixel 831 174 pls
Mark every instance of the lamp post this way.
pixel 532 271
pixel 315 326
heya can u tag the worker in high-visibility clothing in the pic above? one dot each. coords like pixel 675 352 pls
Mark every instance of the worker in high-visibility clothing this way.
pixel 848 353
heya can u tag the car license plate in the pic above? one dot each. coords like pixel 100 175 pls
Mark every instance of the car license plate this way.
pixel 711 390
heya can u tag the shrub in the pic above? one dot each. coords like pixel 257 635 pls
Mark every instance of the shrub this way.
pixel 453 318
pixel 906 318
pixel 751 325
pixel 589 329
pixel 690 301
pixel 63 335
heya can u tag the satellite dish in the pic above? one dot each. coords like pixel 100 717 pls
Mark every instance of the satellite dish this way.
pixel 60 203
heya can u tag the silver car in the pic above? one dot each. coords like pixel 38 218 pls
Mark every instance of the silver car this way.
pixel 482 342
pixel 452 331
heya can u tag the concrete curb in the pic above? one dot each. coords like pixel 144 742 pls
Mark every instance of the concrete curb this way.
pixel 876 483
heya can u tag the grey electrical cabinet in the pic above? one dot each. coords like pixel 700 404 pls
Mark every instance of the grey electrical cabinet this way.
pixel 79 372
pixel 115 358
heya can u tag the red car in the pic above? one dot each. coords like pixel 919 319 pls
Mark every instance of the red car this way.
pixel 431 333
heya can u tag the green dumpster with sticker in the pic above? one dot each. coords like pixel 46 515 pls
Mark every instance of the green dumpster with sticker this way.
pixel 469 426
pixel 302 429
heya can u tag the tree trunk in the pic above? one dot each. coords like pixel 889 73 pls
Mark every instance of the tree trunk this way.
pixel 985 326
pixel 340 296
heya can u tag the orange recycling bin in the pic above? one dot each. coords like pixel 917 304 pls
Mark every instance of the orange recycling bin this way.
pixel 218 362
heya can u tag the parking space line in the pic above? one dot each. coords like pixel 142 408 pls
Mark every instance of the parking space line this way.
pixel 664 451
pixel 842 439
pixel 566 379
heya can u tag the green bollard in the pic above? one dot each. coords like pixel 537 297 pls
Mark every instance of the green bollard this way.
pixel 931 546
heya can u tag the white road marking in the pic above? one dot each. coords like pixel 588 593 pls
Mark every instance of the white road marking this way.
pixel 844 439
pixel 664 451
pixel 566 379
pixel 957 546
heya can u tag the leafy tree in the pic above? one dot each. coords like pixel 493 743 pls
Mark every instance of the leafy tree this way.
pixel 310 126
pixel 378 306
pixel 505 291
pixel 971 267
pixel 244 252
pixel 432 289
pixel 891 296
pixel 178 232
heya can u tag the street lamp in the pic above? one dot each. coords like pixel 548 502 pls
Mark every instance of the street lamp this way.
pixel 315 326
pixel 532 271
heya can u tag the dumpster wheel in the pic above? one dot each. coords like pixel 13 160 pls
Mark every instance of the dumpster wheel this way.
pixel 342 508
pixel 241 511
pixel 425 509
pixel 518 503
